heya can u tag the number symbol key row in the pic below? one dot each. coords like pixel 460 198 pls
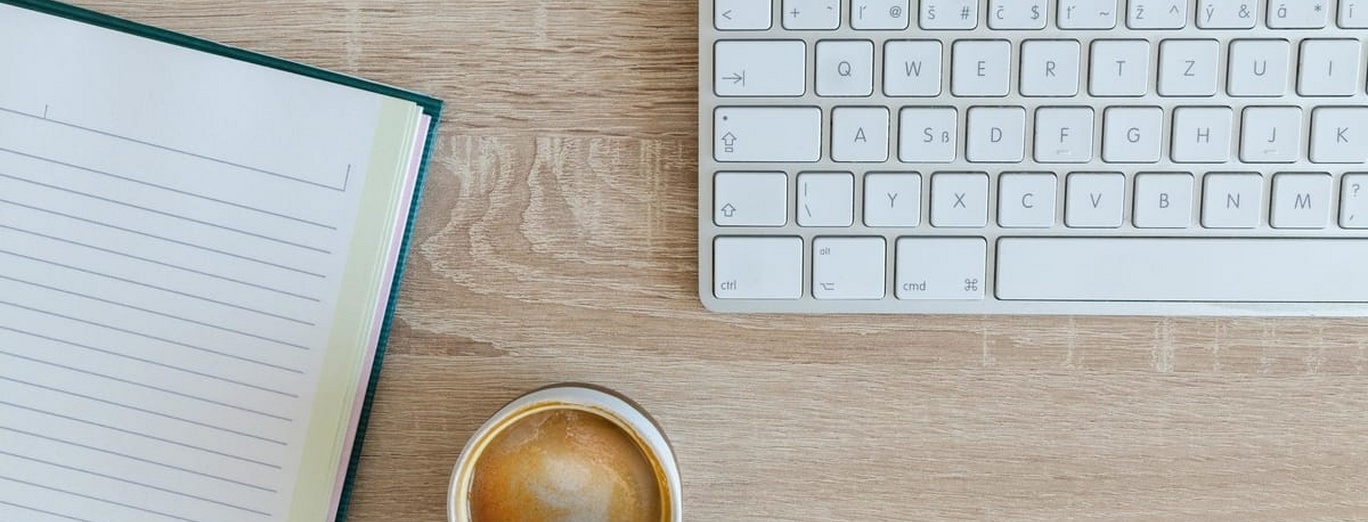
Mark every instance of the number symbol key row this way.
pixel 757 15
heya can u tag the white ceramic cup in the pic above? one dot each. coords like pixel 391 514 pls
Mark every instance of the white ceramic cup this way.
pixel 605 403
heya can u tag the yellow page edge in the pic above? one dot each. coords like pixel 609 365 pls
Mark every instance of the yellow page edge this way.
pixel 339 373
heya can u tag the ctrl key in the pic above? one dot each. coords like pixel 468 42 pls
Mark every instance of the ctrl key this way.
pixel 942 268
pixel 758 267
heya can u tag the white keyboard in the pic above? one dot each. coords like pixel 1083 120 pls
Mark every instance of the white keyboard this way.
pixel 1133 157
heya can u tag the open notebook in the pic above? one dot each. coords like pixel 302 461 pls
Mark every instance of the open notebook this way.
pixel 199 248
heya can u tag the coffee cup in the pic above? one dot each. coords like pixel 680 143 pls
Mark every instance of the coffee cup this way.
pixel 567 453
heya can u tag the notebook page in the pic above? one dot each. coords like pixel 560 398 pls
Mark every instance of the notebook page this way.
pixel 174 228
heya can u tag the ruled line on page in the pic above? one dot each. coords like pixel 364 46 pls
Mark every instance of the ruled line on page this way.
pixel 97 499
pixel 163 415
pixel 147 386
pixel 343 188
pixel 136 483
pixel 155 287
pixel 154 338
pixel 139 459
pixel 143 435
pixel 166 239
pixel 159 263
pixel 155 312
pixel 45 512
pixel 151 362
pixel 172 215
pixel 170 189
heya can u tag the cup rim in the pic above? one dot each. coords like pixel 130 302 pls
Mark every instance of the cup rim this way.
pixel 628 415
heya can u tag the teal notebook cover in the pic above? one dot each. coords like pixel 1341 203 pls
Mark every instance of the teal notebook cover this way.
pixel 431 107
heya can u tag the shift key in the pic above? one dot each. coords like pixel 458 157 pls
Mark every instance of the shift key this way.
pixel 767 134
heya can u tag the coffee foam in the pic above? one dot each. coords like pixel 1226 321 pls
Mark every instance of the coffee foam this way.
pixel 564 465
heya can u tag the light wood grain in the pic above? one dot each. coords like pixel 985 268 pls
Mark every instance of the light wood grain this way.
pixel 557 242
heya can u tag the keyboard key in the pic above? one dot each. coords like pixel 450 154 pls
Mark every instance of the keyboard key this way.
pixel 859 134
pixel 1095 200
pixel 1182 270
pixel 1018 14
pixel 849 268
pixel 981 68
pixel 742 15
pixel 1298 14
pixel 996 134
pixel 758 268
pixel 1188 67
pixel 941 268
pixel 758 199
pixel 1228 14
pixel 1163 200
pixel 1271 135
pixel 959 200
pixel 928 135
pixel 879 14
pixel 1259 67
pixel 1232 201
pixel 949 14
pixel 1049 67
pixel 1157 14
pixel 1202 134
pixel 1301 201
pixel 1087 14
pixel 777 134
pixel 1119 68
pixel 892 200
pixel 826 200
pixel 812 14
pixel 760 68
pixel 1064 135
pixel 1339 135
pixel 1132 134
pixel 845 68
pixel 912 68
pixel 1330 67
pixel 1352 15
pixel 1027 200
pixel 1354 201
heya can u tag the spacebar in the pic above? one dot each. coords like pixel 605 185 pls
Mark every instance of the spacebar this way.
pixel 1183 270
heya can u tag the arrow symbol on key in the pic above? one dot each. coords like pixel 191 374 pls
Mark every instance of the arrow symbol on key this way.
pixel 729 139
pixel 737 78
pixel 727 14
pixel 728 210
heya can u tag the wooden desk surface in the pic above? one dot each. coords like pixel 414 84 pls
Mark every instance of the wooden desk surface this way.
pixel 557 242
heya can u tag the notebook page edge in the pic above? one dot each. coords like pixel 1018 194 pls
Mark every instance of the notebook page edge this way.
pixel 349 341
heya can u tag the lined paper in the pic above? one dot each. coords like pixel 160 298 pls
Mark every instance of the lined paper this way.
pixel 170 257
